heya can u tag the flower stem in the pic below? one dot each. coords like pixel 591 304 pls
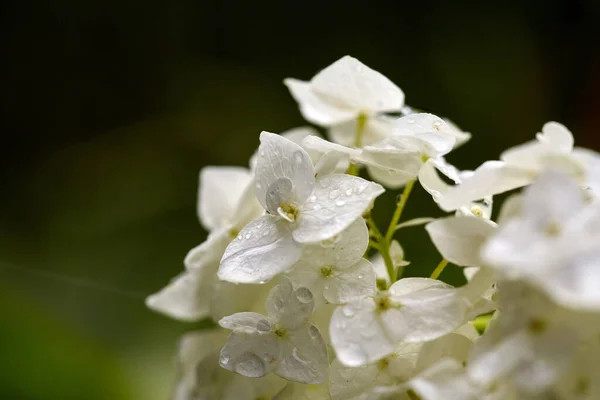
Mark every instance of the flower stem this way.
pixel 439 269
pixel 480 323
pixel 398 213
pixel 382 246
pixel 361 121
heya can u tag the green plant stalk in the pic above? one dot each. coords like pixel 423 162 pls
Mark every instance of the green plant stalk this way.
pixel 361 121
pixel 439 269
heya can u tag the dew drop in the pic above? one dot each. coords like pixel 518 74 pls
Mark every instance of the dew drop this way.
pixel 248 235
pixel 297 357
pixel 250 365
pixel 313 332
pixel 262 154
pixel 340 203
pixel 298 157
pixel 239 237
pixel 258 185
pixel 367 333
pixel 348 192
pixel 410 120
pixel 357 353
pixel 312 198
pixel 334 194
pixel 259 225
pixel 263 326
pixel 361 276
pixel 437 125
pixel 304 295
pixel 317 207
pixel 323 183
pixel 223 359
pixel 348 311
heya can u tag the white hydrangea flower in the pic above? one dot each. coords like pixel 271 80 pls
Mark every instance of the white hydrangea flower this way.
pixel 553 243
pixel 520 165
pixel 413 310
pixel 284 342
pixel 334 269
pixel 532 341
pixel 301 209
pixel 226 203
pixel 376 128
pixel 344 91
pixel 299 391
pixel 389 375
pixel 200 377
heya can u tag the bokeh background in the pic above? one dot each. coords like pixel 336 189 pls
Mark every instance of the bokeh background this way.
pixel 110 108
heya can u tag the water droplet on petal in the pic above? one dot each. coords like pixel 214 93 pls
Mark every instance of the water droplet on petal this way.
pixel 263 325
pixel 347 310
pixel 317 207
pixel 259 225
pixel 349 192
pixel 250 365
pixel 360 276
pixel 312 198
pixel 297 357
pixel 410 120
pixel 323 183
pixel 298 157
pixel 367 333
pixel 340 203
pixel 248 235
pixel 304 295
pixel 334 194
pixel 313 332
pixel 239 237
pixel 357 353
pixel 258 185
pixel 223 359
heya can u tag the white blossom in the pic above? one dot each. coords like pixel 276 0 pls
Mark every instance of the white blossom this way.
pixel 284 342
pixel 300 209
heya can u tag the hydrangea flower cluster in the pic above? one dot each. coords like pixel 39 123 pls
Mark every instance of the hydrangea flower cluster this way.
pixel 307 291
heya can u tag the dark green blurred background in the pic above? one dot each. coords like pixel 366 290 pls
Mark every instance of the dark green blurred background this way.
pixel 110 108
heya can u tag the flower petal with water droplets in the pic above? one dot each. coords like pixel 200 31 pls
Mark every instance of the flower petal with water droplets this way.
pixel 304 356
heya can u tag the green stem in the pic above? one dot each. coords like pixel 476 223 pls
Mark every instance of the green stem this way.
pixel 439 269
pixel 480 323
pixel 398 212
pixel 382 246
pixel 361 121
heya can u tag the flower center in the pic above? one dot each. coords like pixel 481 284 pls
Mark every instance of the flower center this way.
pixel 281 332
pixel 537 326
pixel 288 212
pixel 326 272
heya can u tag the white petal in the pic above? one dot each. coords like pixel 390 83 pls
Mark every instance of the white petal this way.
pixel 556 136
pixel 317 144
pixel 250 354
pixel 343 250
pixel 290 308
pixel 210 252
pixel 351 283
pixel 304 356
pixel 491 178
pixel 357 335
pixel 377 127
pixel 250 322
pixel 431 181
pixel 445 380
pixel 338 201
pixel 332 162
pixel 453 346
pixel 315 108
pixel 242 388
pixel 418 123
pixel 280 192
pixel 353 84
pixel 230 298
pixel 263 249
pixel 279 158
pixel 186 297
pixel 390 178
pixel 298 391
pixel 428 310
pixel 553 198
pixel 459 239
pixel 352 383
pixel 511 208
pixel 219 192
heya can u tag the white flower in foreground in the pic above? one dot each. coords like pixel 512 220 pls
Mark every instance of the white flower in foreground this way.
pixel 388 376
pixel 344 91
pixel 284 343
pixel 199 376
pixel 226 203
pixel 520 165
pixel 531 343
pixel 301 209
pixel 335 268
pixel 553 243
pixel 413 310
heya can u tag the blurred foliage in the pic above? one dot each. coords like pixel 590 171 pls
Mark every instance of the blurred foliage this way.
pixel 110 108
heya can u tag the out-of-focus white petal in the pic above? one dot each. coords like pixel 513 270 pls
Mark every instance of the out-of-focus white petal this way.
pixel 460 239
pixel 288 307
pixel 219 191
pixel 350 283
pixel 317 144
pixel 337 201
pixel 242 388
pixel 491 178
pixel 556 136
pixel 376 128
pixel 453 345
pixel 263 249
pixel 304 356
pixel 355 383
pixel 210 251
pixel 315 108
pixel 299 391
pixel 350 83
pixel 279 158
pixel 390 178
pixel 332 162
pixel 186 297
pixel 418 123
pixel 445 380
pixel 246 321
pixel 250 354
